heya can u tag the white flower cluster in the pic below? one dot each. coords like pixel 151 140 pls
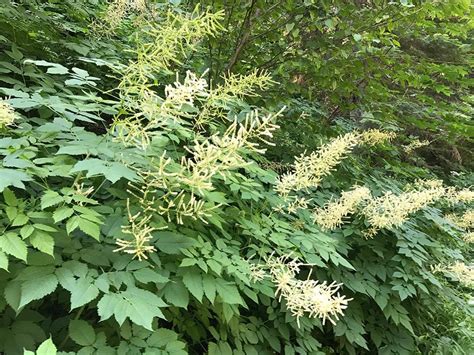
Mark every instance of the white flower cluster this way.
pixel 7 114
pixel 303 297
pixel 390 210
pixel 332 214
pixel 460 271
pixel 309 170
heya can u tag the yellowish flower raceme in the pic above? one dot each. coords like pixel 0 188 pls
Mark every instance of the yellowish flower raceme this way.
pixel 415 144
pixel 460 271
pixel 309 170
pixel 464 221
pixel 7 114
pixel 302 297
pixel 391 210
pixel 332 214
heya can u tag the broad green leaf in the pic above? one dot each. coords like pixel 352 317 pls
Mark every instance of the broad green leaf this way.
pixel 81 332
pixel 83 291
pixel 172 243
pixel 11 244
pixel 112 171
pixel 43 242
pixel 139 306
pixel 177 294
pixel 37 288
pixel 3 261
pixel 194 283
pixel 209 286
pixel 47 348
pixel 51 198
pixel 62 213
pixel 89 228
pixel 10 198
pixel 11 177
pixel 228 292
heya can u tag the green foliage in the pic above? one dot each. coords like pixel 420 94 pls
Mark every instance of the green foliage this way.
pixel 135 202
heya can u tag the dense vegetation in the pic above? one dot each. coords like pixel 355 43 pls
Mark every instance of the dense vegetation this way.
pixel 236 177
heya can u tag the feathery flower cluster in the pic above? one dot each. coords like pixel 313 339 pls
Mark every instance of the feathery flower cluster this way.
pixel 390 210
pixel 465 221
pixel 460 271
pixel 415 144
pixel 331 215
pixel 303 297
pixel 454 196
pixel 220 154
pixel 179 94
pixel 375 136
pixel 292 206
pixel 139 228
pixel 468 237
pixel 116 13
pixel 178 34
pixel 7 114
pixel 234 86
pixel 309 170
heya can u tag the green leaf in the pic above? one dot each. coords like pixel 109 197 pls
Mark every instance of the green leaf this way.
pixel 10 198
pixel 228 292
pixel 47 348
pixel 81 332
pixel 89 228
pixel 38 286
pixel 3 261
pixel 11 244
pixel 11 177
pixel 193 282
pixel 209 286
pixel 112 171
pixel 43 242
pixel 172 243
pixel 50 198
pixel 62 213
pixel 138 305
pixel 177 294
pixel 83 291
pixel 146 275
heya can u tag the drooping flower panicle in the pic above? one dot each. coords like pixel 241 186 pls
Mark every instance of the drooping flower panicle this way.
pixel 302 297
pixel 332 214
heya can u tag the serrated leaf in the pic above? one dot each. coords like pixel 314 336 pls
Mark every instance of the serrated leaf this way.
pixel 37 288
pixel 11 177
pixel 3 261
pixel 12 294
pixel 146 275
pixel 177 294
pixel 89 228
pixel 11 244
pixel 81 332
pixel 228 292
pixel 112 171
pixel 172 243
pixel 50 198
pixel 10 198
pixel 193 282
pixel 47 348
pixel 83 291
pixel 209 286
pixel 138 305
pixel 43 242
pixel 62 213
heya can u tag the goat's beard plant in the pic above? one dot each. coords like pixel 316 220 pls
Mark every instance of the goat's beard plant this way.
pixel 216 139
pixel 177 186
